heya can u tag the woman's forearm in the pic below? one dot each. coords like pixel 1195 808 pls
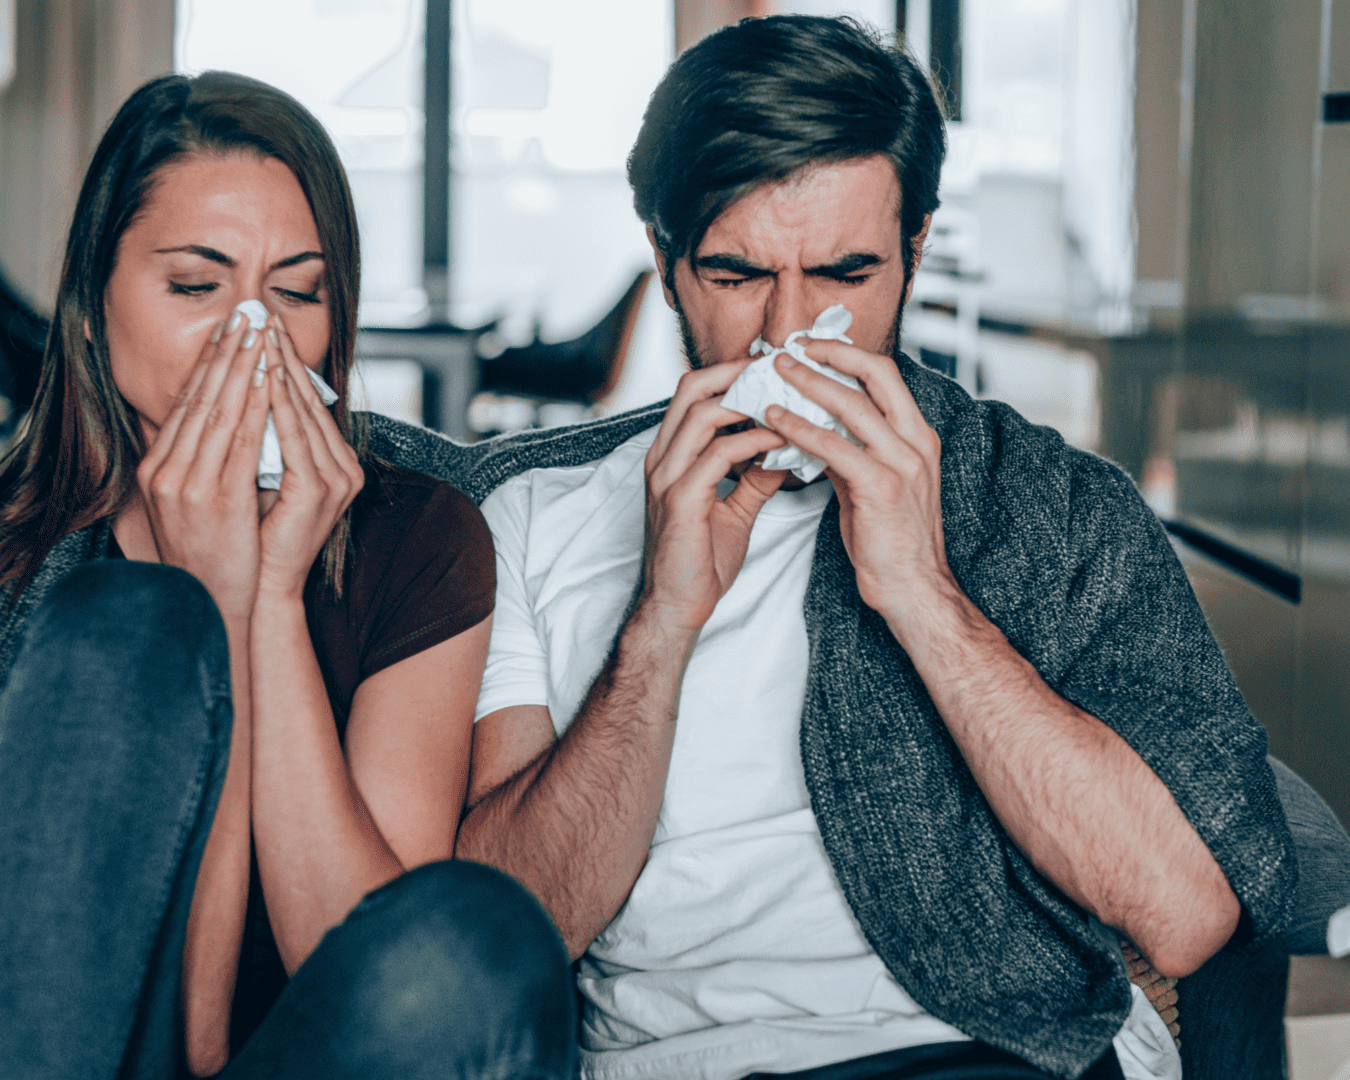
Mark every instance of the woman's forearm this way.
pixel 319 849
pixel 219 901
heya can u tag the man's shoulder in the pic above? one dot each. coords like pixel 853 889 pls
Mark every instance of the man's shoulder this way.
pixel 988 444
pixel 477 469
pixel 570 487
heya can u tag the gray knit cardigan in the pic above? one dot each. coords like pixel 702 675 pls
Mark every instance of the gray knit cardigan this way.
pixel 1057 549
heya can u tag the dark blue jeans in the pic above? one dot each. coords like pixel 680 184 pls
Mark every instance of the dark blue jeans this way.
pixel 114 737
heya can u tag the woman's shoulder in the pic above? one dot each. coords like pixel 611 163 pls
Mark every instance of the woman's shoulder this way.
pixel 423 567
pixel 402 504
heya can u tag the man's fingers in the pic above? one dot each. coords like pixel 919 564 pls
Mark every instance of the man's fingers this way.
pixel 716 460
pixel 756 487
pixel 839 454
pixel 860 414
pixel 880 378
pixel 700 426
pixel 695 386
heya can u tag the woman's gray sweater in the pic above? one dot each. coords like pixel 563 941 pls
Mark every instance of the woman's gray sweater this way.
pixel 1056 547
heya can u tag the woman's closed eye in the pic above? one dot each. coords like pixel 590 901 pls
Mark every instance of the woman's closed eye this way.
pixel 291 296
pixel 186 288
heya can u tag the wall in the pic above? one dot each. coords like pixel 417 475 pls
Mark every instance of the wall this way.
pixel 1234 412
pixel 1254 113
pixel 76 63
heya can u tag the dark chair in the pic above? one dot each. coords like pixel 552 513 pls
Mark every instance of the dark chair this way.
pixel 23 338
pixel 583 369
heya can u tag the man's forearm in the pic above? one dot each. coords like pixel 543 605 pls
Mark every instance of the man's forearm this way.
pixel 575 825
pixel 1079 802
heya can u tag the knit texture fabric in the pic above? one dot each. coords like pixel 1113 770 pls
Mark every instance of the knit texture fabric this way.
pixel 1056 547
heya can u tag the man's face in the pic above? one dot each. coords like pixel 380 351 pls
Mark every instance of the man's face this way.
pixel 778 257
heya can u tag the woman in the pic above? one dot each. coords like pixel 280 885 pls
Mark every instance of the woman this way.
pixel 149 856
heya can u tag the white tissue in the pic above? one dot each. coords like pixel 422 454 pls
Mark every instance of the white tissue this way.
pixel 270 466
pixel 1338 933
pixel 254 312
pixel 760 386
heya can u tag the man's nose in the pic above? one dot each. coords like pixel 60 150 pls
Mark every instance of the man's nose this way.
pixel 787 309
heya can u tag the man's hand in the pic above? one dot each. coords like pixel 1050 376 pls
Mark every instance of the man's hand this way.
pixel 890 490
pixel 696 542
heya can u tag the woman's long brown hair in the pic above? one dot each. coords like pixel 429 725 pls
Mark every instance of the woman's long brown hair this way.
pixel 74 459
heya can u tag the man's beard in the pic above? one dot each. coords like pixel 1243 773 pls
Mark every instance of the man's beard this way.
pixel 696 361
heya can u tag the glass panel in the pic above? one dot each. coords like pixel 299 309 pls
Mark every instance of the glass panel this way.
pixel 548 99
pixel 357 65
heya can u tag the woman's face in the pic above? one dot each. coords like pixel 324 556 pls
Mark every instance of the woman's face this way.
pixel 215 230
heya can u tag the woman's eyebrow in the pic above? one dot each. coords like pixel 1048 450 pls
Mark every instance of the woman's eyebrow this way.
pixel 304 256
pixel 198 249
pixel 225 260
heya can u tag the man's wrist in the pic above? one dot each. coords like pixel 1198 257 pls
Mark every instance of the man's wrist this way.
pixel 657 635
pixel 932 610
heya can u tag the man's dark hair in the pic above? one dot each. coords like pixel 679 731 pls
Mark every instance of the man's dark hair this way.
pixel 757 101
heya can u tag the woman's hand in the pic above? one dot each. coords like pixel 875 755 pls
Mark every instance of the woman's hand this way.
pixel 198 480
pixel 322 477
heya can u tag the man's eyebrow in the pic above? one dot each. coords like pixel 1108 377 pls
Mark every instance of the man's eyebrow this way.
pixel 848 264
pixel 225 260
pixel 732 263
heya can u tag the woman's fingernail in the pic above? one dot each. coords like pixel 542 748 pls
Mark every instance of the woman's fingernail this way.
pixel 785 361
pixel 258 375
pixel 262 360
pixel 280 324
pixel 280 369
pixel 215 334
pixel 773 412
pixel 234 323
pixel 272 337
pixel 252 337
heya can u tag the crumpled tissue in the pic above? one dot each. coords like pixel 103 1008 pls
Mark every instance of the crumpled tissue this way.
pixel 760 386
pixel 270 466
pixel 1338 933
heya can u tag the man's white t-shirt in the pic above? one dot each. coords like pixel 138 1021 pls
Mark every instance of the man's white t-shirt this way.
pixel 736 951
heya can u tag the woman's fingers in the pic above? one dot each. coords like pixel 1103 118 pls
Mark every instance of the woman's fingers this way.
pixel 298 430
pixel 241 463
pixel 288 416
pixel 168 430
pixel 201 439
pixel 235 381
pixel 324 424
pixel 180 433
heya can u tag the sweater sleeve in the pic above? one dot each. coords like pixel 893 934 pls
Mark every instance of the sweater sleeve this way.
pixel 1137 654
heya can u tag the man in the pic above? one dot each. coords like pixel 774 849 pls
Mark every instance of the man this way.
pixel 861 771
